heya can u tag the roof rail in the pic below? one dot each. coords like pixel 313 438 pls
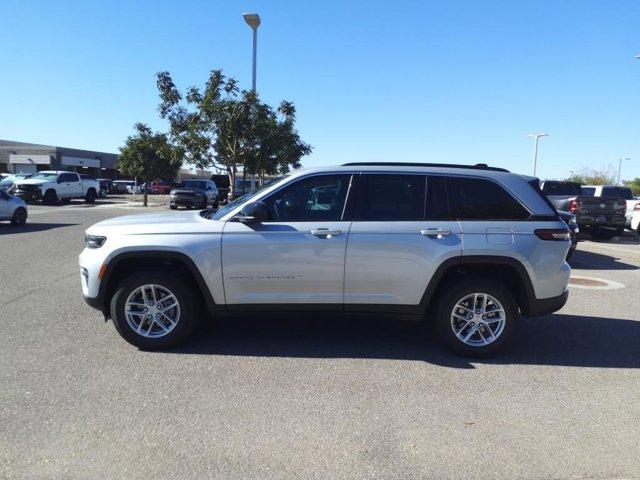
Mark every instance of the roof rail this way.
pixel 477 166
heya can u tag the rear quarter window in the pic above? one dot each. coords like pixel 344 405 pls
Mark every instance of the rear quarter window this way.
pixel 480 199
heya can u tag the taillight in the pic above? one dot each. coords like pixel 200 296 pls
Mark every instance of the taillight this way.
pixel 559 234
pixel 574 205
pixel 637 207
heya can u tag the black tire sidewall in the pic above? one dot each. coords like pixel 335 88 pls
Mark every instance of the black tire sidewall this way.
pixel 178 286
pixel 50 197
pixel 91 196
pixel 454 293
pixel 15 220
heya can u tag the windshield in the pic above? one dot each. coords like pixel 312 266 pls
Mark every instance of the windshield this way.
pixel 199 184
pixel 45 176
pixel 221 212
pixel 561 188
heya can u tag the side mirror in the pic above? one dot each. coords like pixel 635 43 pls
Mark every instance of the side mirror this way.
pixel 255 212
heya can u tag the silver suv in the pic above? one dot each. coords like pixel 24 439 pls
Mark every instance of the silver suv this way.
pixel 469 248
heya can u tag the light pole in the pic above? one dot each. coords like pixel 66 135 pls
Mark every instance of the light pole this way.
pixel 253 20
pixel 536 137
pixel 620 167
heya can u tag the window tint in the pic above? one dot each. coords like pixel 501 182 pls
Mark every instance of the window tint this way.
pixel 437 199
pixel 588 191
pixel 311 199
pixel 391 198
pixel 617 192
pixel 561 188
pixel 68 177
pixel 477 199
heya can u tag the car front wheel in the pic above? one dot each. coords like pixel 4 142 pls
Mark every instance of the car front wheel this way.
pixel 476 317
pixel 154 310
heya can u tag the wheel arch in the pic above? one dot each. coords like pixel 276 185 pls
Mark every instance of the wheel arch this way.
pixel 178 263
pixel 508 270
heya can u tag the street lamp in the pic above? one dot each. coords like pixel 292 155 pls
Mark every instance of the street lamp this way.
pixel 620 167
pixel 253 20
pixel 536 136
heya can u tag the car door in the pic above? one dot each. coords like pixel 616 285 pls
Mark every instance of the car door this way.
pixel 5 206
pixel 69 186
pixel 297 255
pixel 401 232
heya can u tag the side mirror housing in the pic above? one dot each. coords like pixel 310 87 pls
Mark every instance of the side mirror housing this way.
pixel 255 212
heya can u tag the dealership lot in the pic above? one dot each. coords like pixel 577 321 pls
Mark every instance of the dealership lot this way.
pixel 300 396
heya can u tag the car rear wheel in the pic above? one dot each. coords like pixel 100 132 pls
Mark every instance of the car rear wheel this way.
pixel 173 207
pixel 476 317
pixel 154 310
pixel 91 196
pixel 19 216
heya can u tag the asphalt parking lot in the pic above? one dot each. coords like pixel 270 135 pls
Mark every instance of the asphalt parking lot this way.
pixel 309 397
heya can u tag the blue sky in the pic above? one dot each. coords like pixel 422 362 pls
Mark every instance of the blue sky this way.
pixel 455 81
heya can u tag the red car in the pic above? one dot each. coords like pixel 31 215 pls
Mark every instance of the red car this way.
pixel 159 188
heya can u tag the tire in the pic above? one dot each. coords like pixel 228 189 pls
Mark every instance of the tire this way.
pixel 188 312
pixel 444 320
pixel 91 196
pixel 50 197
pixel 19 217
pixel 173 207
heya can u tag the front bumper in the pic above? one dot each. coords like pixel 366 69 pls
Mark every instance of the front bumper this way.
pixel 28 195
pixel 544 306
pixel 186 201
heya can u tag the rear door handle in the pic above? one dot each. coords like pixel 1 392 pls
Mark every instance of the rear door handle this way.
pixel 325 232
pixel 435 232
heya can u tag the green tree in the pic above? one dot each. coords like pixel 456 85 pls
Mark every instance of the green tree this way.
pixel 634 184
pixel 149 156
pixel 227 128
pixel 594 176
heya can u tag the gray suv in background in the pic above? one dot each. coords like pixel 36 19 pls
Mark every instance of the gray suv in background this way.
pixel 194 194
pixel 468 248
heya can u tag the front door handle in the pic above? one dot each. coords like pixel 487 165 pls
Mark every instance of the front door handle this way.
pixel 435 232
pixel 325 232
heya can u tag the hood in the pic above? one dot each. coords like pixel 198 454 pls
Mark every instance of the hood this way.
pixel 186 190
pixel 30 181
pixel 157 223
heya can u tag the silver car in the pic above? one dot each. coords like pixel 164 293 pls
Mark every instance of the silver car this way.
pixel 12 209
pixel 469 248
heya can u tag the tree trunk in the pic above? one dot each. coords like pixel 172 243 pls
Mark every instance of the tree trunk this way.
pixel 144 197
pixel 232 183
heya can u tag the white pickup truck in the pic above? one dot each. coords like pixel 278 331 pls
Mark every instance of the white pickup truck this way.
pixel 51 186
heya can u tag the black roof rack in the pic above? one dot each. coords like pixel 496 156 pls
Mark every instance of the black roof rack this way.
pixel 477 166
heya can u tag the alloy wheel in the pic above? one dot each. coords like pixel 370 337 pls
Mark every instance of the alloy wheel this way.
pixel 152 311
pixel 478 319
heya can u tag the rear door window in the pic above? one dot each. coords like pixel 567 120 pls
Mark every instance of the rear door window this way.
pixel 389 198
pixel 481 199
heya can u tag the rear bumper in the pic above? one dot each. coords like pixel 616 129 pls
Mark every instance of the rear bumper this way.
pixel 545 306
pixel 609 221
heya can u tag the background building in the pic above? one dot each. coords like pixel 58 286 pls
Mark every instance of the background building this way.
pixel 21 157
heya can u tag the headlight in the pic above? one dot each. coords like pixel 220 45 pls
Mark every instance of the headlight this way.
pixel 94 241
